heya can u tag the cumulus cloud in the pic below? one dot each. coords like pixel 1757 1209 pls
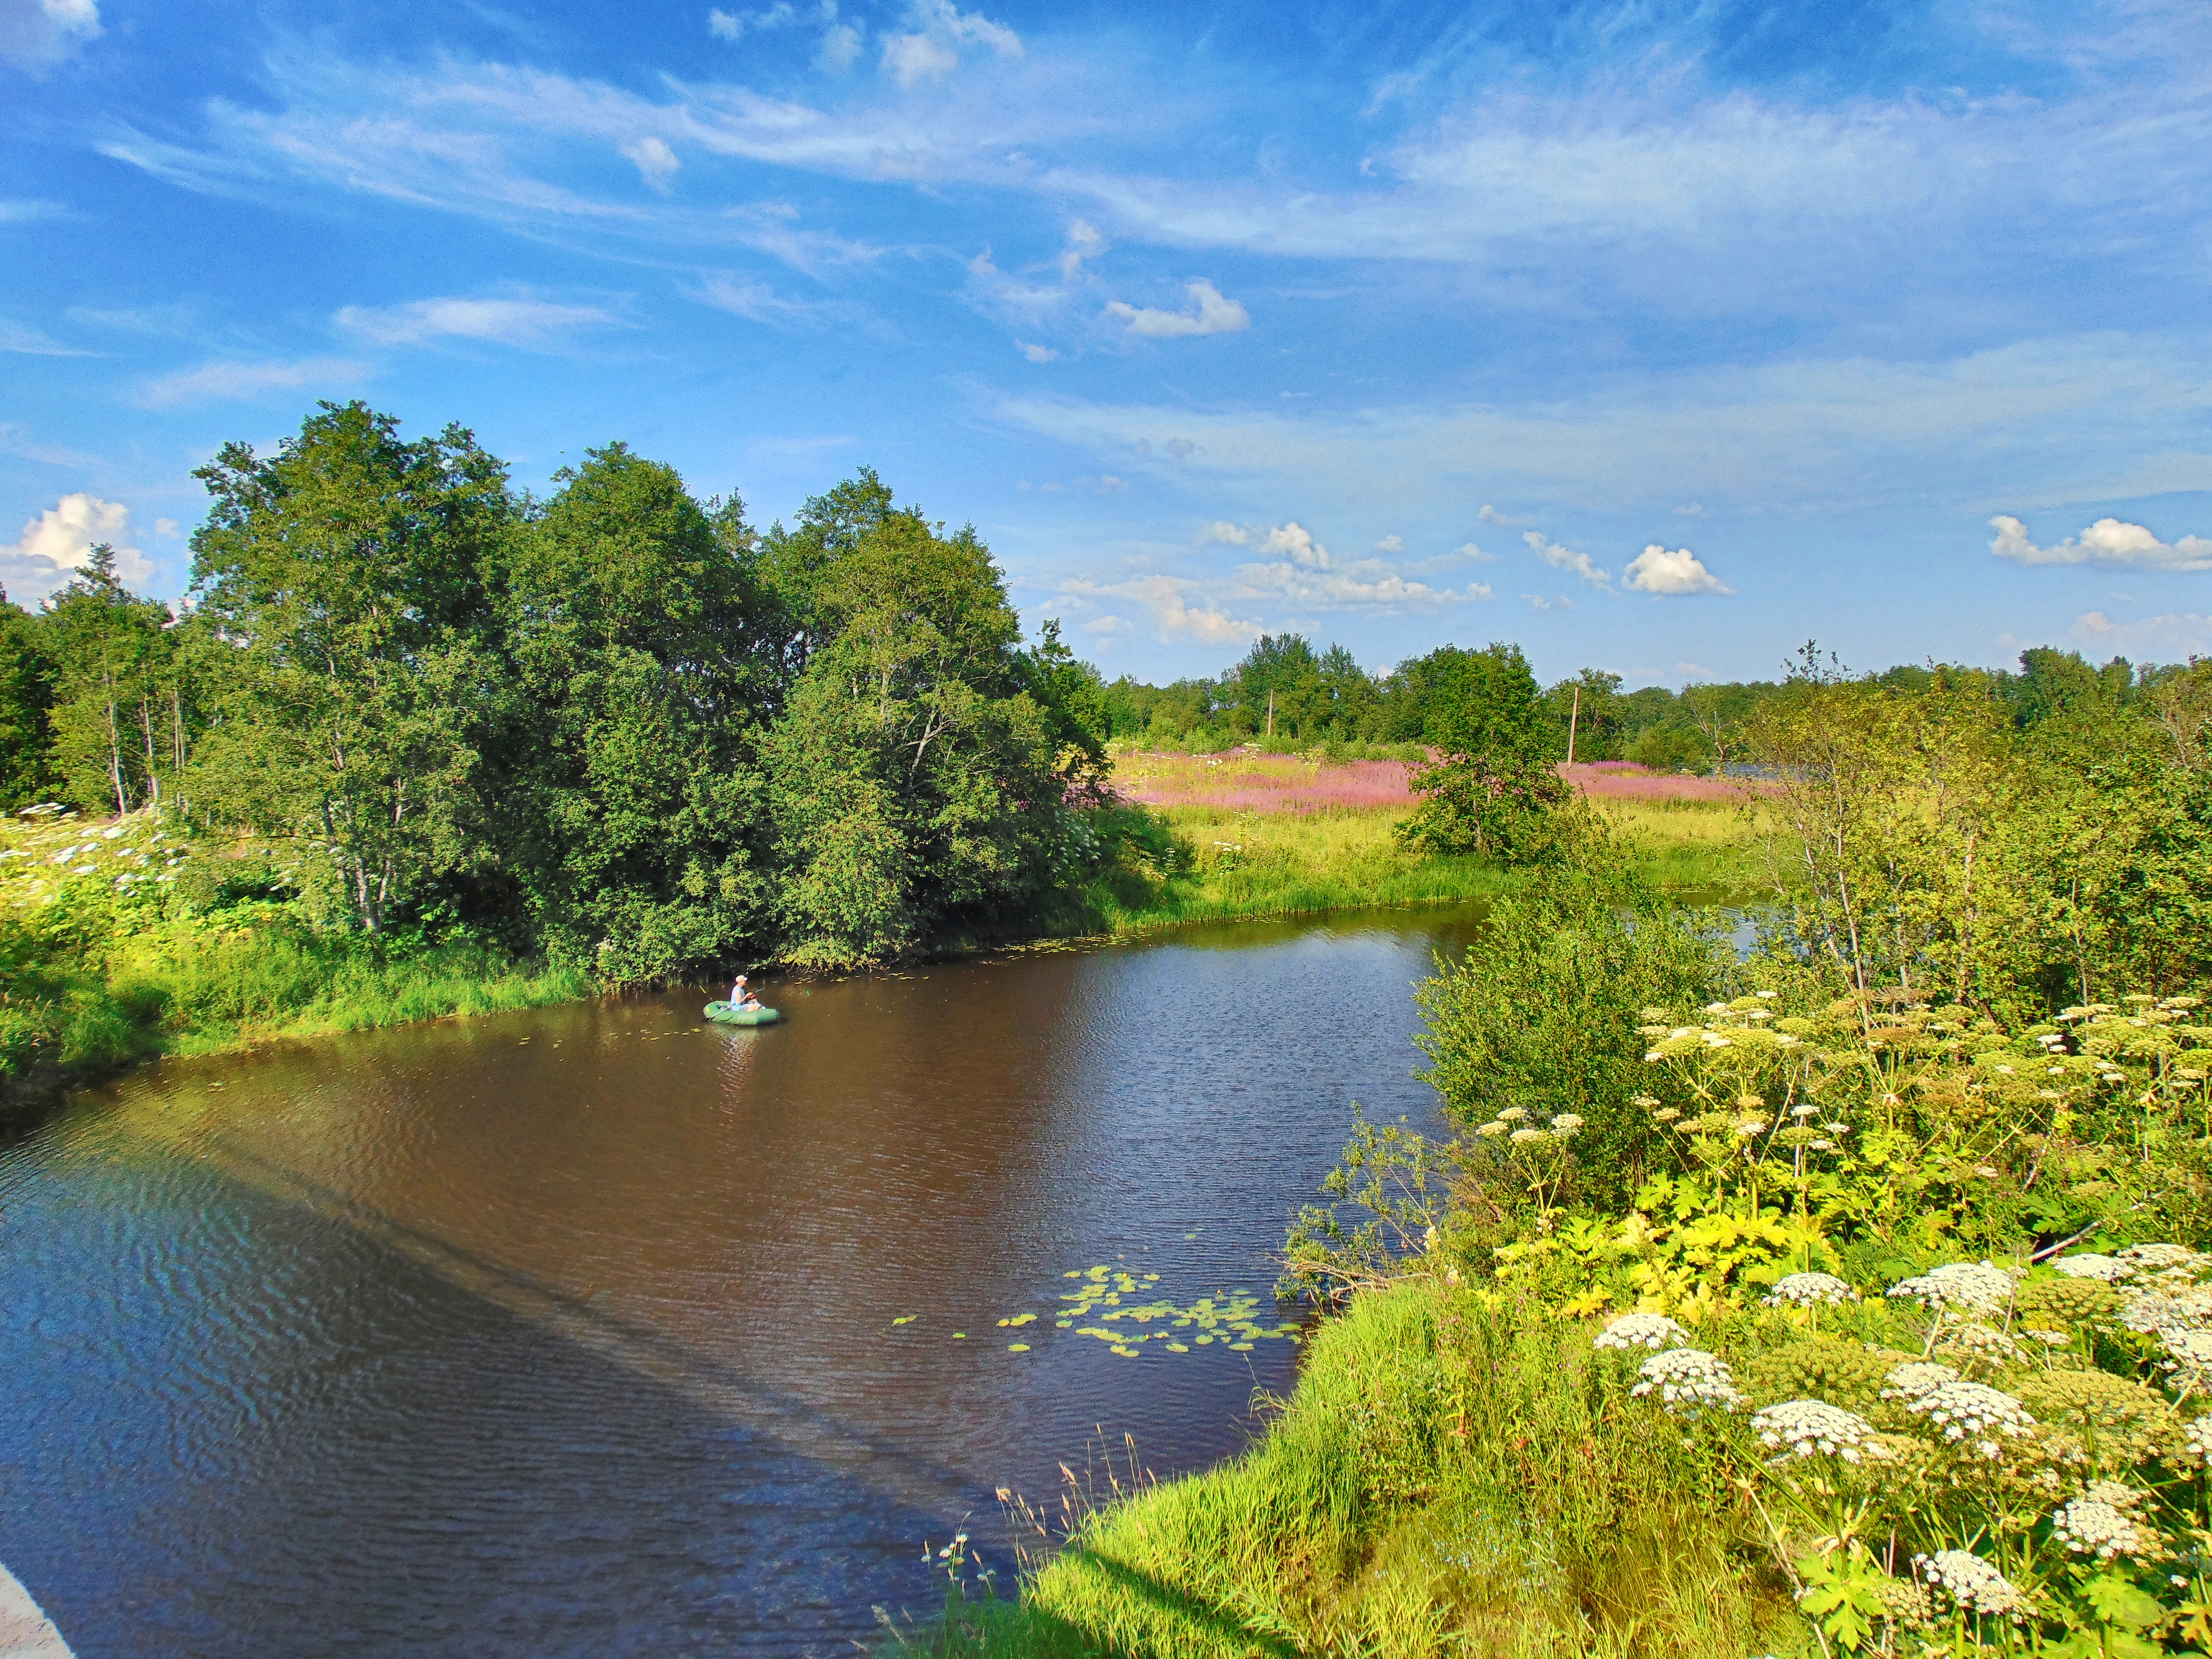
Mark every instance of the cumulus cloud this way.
pixel 1036 354
pixel 1538 602
pixel 1169 599
pixel 840 48
pixel 1293 565
pixel 2108 540
pixel 1566 559
pixel 1656 570
pixel 655 163
pixel 211 382
pixel 1391 544
pixel 2173 635
pixel 34 34
pixel 1492 515
pixel 60 539
pixel 1468 550
pixel 532 322
pixel 933 48
pixel 1209 313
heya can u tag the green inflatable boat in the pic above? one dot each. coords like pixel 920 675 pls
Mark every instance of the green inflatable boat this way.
pixel 722 1014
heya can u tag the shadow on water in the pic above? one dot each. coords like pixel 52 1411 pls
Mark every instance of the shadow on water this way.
pixel 590 1330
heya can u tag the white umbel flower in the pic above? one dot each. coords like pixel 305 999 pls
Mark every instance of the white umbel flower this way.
pixel 1809 1291
pixel 1686 1381
pixel 1917 1378
pixel 1805 1428
pixel 1643 1330
pixel 2093 1525
pixel 2189 1356
pixel 1979 1286
pixel 1970 1582
pixel 1526 1136
pixel 2159 1258
pixel 1973 1413
pixel 2109 1269
pixel 2197 1436
pixel 2158 1310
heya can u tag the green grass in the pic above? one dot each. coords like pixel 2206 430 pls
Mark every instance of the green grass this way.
pixel 1449 1478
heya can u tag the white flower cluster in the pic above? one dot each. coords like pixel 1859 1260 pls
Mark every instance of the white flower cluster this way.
pixel 2189 1356
pixel 2108 1269
pixel 1643 1330
pixel 1917 1378
pixel 1800 1428
pixel 2163 1258
pixel 2196 1434
pixel 2095 1525
pixel 1524 1136
pixel 1970 1582
pixel 1686 1380
pixel 2159 1311
pixel 1977 1285
pixel 1810 1290
pixel 1982 1342
pixel 1972 1410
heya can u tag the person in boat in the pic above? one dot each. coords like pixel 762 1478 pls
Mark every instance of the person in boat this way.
pixel 741 998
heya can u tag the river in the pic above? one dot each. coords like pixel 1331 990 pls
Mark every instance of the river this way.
pixel 578 1331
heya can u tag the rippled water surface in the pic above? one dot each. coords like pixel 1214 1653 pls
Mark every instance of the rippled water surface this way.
pixel 571 1331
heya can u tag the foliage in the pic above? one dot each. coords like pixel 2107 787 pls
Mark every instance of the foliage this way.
pixel 1493 788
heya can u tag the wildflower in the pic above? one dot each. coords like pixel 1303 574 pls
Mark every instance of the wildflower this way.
pixel 1980 1286
pixel 1524 1136
pixel 1642 1330
pixel 2153 1258
pixel 1665 1115
pixel 1746 1128
pixel 1565 1124
pixel 2190 1361
pixel 1513 1114
pixel 1810 1290
pixel 2196 1443
pixel 1801 1428
pixel 1644 1101
pixel 1970 1582
pixel 1686 1380
pixel 1972 1410
pixel 2095 1526
pixel 1803 1110
pixel 1824 1146
pixel 2111 1269
pixel 1494 1127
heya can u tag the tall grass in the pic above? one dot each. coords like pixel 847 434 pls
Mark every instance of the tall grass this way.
pixel 1451 1477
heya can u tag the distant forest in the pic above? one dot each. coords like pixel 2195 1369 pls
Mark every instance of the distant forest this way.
pixel 1285 694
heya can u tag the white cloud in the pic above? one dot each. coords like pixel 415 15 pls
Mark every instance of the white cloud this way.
pixel 168 527
pixel 1694 510
pixel 533 323
pixel 1179 447
pixel 26 341
pixel 59 540
pixel 655 163
pixel 211 382
pixel 2108 542
pixel 1538 602
pixel 840 48
pixel 1656 570
pixel 759 303
pixel 1167 598
pixel 732 25
pixel 1036 354
pixel 1210 313
pixel 1492 515
pixel 934 47
pixel 34 34
pixel 1112 485
pixel 2176 637
pixel 1083 242
pixel 1295 567
pixel 1470 550
pixel 1566 559
pixel 1391 544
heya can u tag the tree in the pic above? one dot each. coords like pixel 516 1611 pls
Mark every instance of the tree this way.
pixel 1278 687
pixel 26 697
pixel 350 578
pixel 1588 711
pixel 116 717
pixel 646 652
pixel 912 774
pixel 1494 787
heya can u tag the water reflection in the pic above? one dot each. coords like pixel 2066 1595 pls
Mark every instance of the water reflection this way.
pixel 572 1331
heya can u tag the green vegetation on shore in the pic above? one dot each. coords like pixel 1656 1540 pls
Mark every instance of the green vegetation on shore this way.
pixel 1852 1297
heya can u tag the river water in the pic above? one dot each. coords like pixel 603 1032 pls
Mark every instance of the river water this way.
pixel 575 1331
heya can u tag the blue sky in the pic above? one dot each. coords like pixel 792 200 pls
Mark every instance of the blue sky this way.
pixel 1658 336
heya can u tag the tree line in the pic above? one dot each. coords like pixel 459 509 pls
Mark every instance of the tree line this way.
pixel 617 727
pixel 1284 693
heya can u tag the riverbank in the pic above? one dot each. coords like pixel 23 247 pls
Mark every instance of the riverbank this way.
pixel 126 939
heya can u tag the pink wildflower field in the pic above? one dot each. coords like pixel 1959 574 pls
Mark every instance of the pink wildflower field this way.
pixel 1248 780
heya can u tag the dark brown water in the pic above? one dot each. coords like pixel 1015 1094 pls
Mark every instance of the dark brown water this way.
pixel 571 1331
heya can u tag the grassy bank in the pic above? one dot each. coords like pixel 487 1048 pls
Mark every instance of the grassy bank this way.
pixel 1455 1473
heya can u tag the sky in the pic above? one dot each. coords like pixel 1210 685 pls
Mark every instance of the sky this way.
pixel 1658 336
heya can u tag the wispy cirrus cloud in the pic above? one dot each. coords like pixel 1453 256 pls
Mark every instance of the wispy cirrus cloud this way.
pixel 222 382
pixel 535 324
